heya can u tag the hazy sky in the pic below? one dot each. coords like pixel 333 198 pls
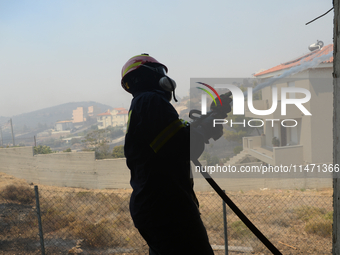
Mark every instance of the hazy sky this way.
pixel 55 52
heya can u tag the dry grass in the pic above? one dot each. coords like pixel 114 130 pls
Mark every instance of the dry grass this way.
pixel 300 219
pixel 318 220
pixel 101 219
pixel 21 194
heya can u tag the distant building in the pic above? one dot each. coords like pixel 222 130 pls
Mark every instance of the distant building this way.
pixel 113 118
pixel 120 116
pixel 81 115
pixel 78 115
pixel 93 111
pixel 310 140
pixel 104 120
pixel 63 125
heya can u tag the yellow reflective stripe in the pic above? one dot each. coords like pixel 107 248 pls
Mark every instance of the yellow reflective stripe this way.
pixel 165 135
pixel 130 66
pixel 185 123
pixel 128 122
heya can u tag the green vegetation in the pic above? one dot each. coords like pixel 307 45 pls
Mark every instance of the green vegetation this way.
pixel 239 229
pixel 275 141
pixel 211 160
pixel 118 151
pixel 102 150
pixel 238 149
pixel 67 150
pixel 235 136
pixel 99 136
pixel 42 149
pixel 98 141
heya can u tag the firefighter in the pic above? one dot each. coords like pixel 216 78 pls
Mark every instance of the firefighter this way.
pixel 163 205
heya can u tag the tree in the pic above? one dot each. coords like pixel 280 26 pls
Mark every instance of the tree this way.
pixel 235 136
pixel 115 132
pixel 240 130
pixel 211 160
pixel 102 150
pixel 118 151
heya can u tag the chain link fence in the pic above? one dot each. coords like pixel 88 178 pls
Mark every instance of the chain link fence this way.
pixel 77 221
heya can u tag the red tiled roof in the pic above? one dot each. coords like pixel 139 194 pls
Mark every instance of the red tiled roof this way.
pixel 123 112
pixel 104 114
pixel 308 57
pixel 119 109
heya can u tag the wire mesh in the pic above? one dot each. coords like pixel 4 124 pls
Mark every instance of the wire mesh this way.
pixel 78 221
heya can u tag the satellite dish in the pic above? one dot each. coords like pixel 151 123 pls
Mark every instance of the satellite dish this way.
pixel 316 46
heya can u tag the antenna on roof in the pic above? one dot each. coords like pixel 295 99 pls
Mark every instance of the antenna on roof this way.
pixel 316 46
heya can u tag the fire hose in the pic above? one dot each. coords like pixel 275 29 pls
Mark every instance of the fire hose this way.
pixel 225 198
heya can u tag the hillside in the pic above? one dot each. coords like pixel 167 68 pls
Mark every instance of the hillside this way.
pixel 48 116
pixel 3 120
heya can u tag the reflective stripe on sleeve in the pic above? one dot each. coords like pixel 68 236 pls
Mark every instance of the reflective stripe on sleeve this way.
pixel 185 123
pixel 165 135
pixel 128 122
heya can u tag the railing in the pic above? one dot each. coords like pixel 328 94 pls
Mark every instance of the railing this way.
pixel 280 155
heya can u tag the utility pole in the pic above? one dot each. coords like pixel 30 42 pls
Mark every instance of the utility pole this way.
pixel 12 132
pixel 336 128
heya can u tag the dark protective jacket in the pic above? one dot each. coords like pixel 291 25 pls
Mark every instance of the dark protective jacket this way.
pixel 157 151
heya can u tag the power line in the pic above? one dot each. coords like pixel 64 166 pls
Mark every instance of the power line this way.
pixel 320 16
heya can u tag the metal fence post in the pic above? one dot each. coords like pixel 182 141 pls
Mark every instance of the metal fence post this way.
pixel 225 227
pixel 39 220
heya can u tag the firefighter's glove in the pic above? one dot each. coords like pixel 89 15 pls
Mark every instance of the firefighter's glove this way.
pixel 223 109
pixel 207 129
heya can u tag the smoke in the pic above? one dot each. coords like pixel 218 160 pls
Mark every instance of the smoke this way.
pixel 294 70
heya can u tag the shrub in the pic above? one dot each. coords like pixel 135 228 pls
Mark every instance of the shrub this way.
pixel 239 229
pixel 102 151
pixel 234 136
pixel 275 142
pixel 319 226
pixel 20 194
pixel 205 155
pixel 306 213
pixel 212 161
pixel 42 149
pixel 238 149
pixel 55 218
pixel 97 234
pixel 118 151
pixel 318 220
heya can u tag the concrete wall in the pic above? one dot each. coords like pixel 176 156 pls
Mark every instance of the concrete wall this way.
pixel 65 169
pixel 81 170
